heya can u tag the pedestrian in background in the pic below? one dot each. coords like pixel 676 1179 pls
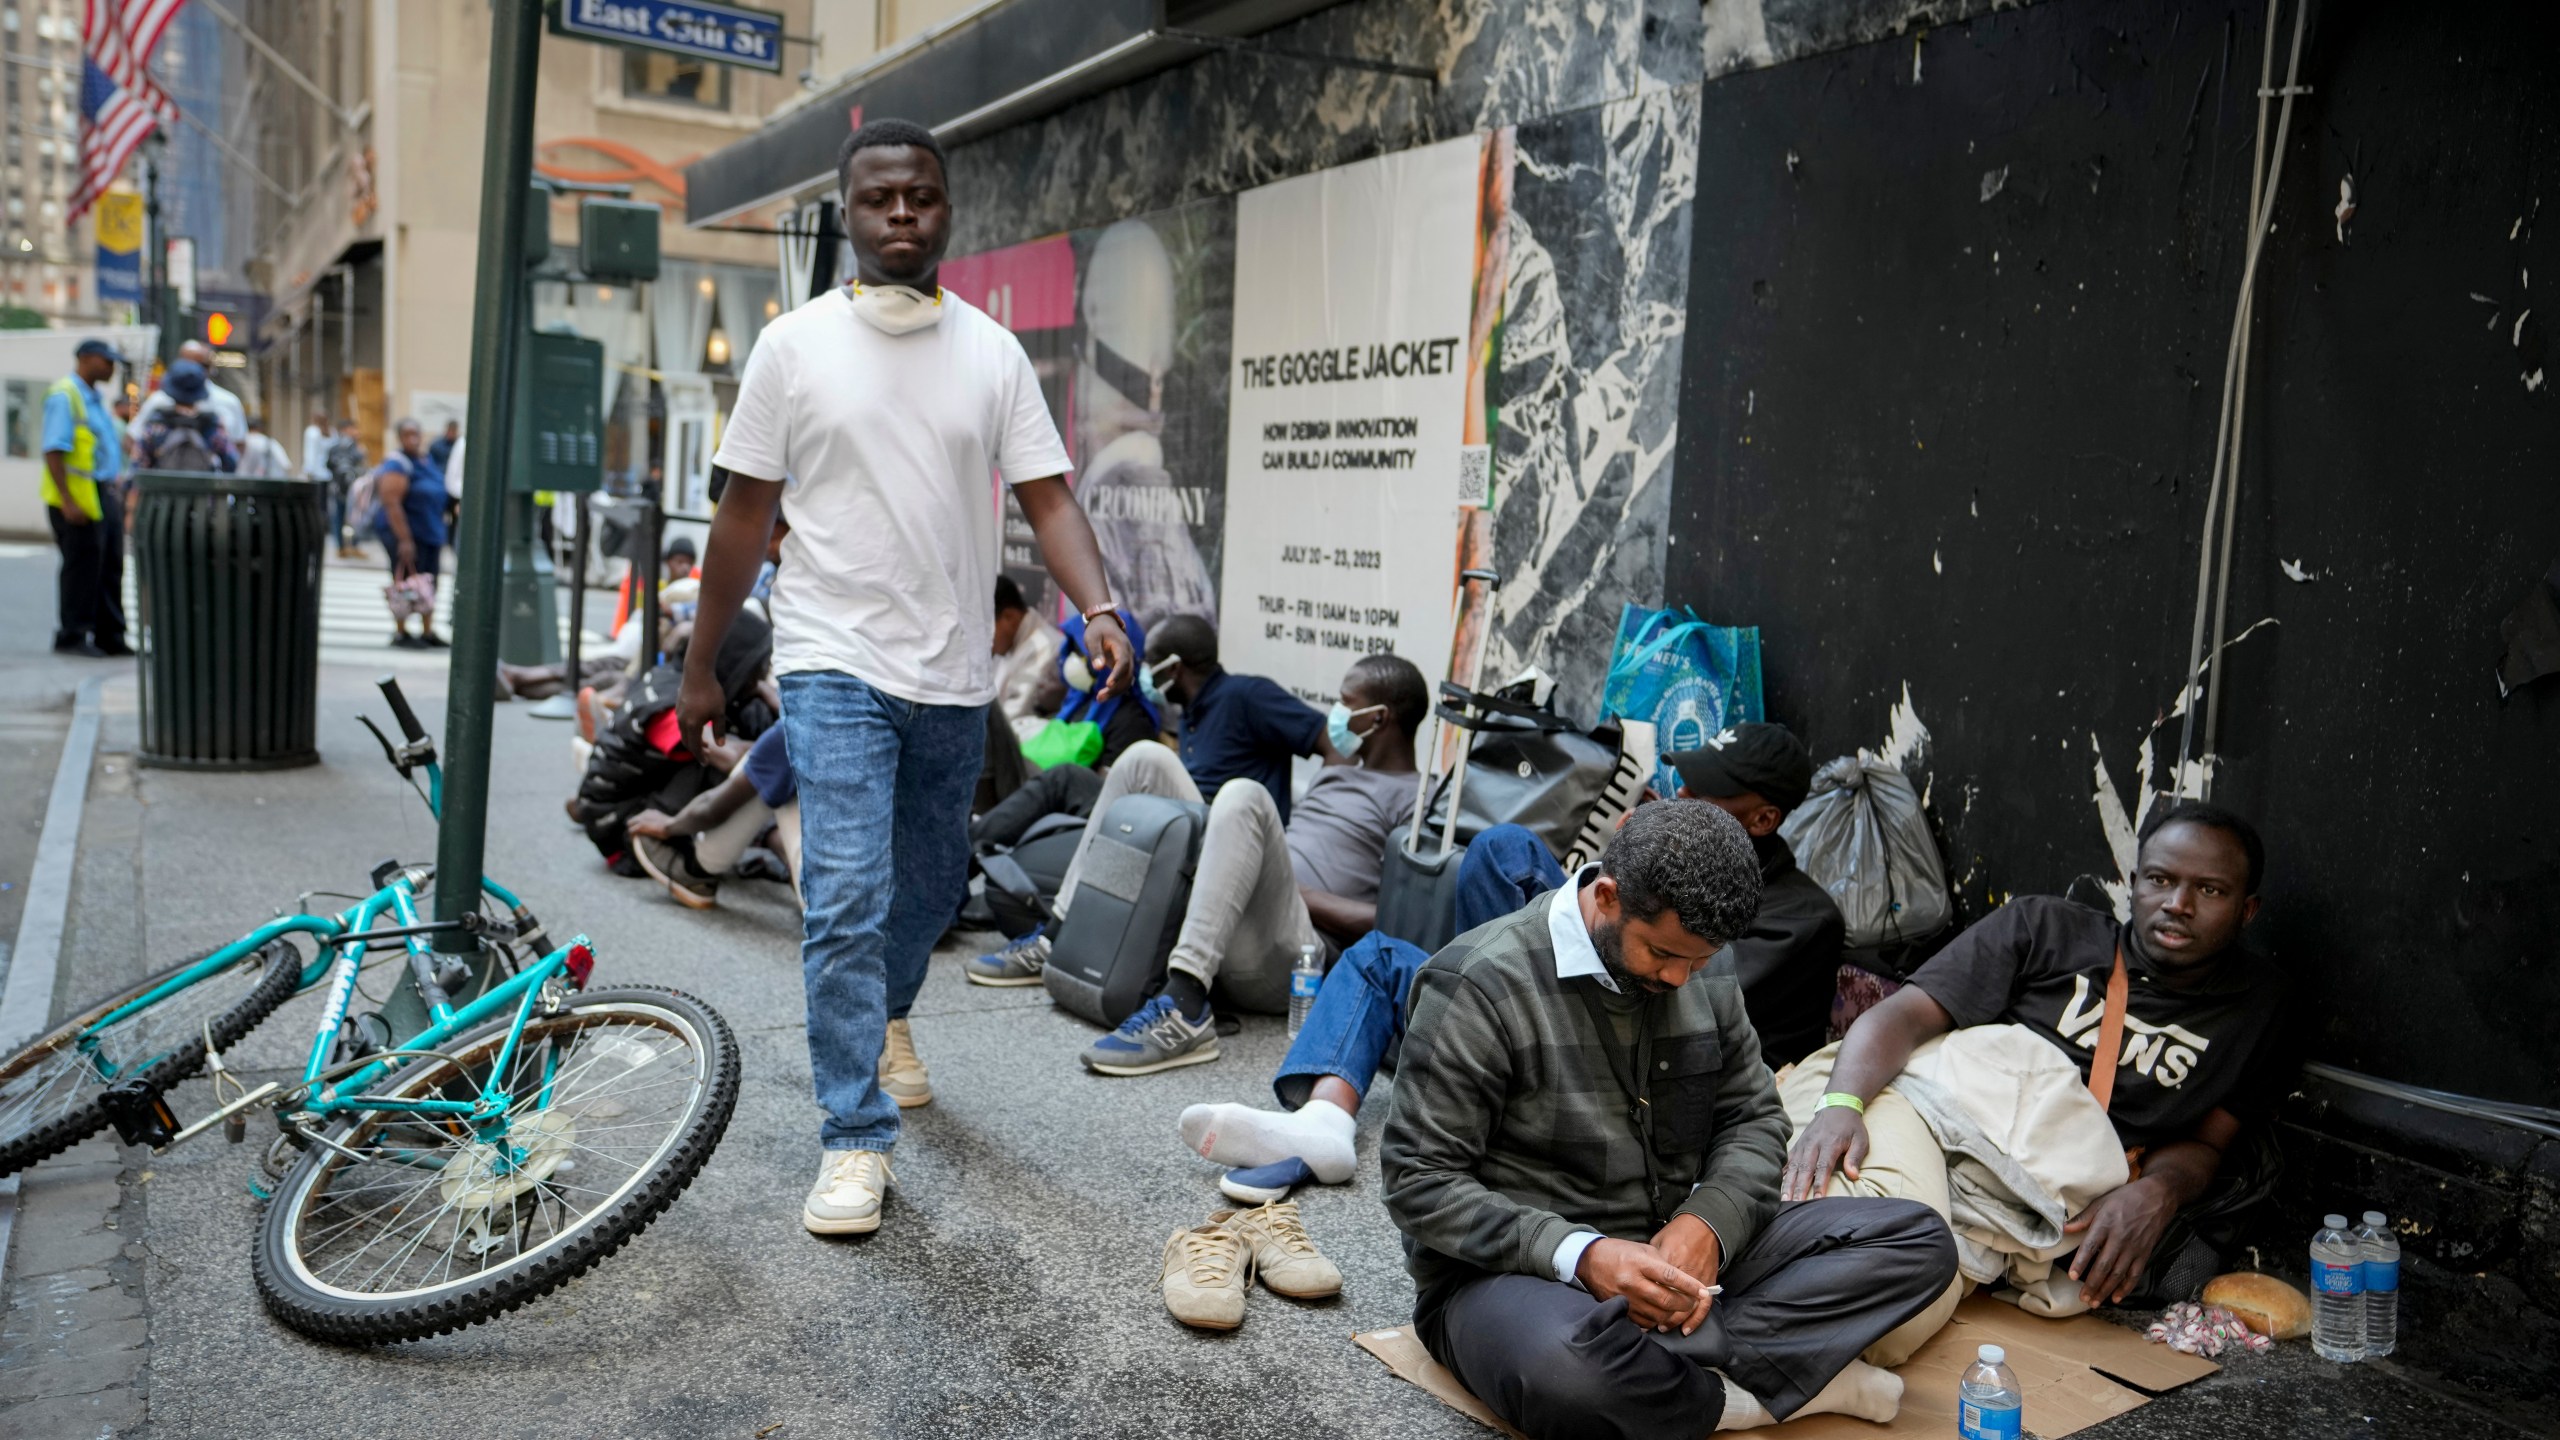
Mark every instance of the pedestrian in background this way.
pixel 346 462
pixel 225 406
pixel 441 451
pixel 409 518
pixel 186 434
pixel 315 448
pixel 83 456
pixel 261 456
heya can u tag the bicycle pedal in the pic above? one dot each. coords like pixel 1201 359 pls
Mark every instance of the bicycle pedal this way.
pixel 140 1113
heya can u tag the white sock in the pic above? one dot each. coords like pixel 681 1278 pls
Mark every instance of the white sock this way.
pixel 1742 1409
pixel 1859 1390
pixel 1240 1135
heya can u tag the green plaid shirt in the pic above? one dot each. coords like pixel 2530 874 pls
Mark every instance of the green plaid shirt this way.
pixel 1509 1129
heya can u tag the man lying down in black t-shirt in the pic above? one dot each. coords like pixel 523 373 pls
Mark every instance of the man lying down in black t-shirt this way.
pixel 2200 1061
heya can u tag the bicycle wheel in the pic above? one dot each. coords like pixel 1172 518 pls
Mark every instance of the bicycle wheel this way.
pixel 49 1089
pixel 400 1226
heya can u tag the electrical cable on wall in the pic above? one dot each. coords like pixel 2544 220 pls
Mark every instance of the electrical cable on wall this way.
pixel 2213 580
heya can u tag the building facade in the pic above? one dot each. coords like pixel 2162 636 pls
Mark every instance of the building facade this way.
pixel 365 225
pixel 45 265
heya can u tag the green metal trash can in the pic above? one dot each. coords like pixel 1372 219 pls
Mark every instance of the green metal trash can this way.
pixel 228 583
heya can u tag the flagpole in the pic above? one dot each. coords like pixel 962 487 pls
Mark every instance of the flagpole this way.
pixel 156 263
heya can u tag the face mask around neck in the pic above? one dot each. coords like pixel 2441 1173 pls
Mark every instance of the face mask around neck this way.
pixel 896 309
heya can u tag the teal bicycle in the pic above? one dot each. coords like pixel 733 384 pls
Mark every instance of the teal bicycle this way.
pixel 524 1135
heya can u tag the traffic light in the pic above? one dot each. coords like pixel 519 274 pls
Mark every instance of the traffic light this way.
pixel 217 329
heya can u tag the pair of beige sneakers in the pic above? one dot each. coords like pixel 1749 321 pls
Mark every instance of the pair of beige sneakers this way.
pixel 1207 1268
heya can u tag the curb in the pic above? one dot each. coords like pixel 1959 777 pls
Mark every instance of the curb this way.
pixel 35 961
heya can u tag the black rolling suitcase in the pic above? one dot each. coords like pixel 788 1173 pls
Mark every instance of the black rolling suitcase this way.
pixel 1108 954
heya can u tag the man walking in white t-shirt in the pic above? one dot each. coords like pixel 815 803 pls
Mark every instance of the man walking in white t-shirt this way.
pixel 874 416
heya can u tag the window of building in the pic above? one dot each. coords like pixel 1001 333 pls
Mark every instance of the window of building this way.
pixel 25 419
pixel 648 75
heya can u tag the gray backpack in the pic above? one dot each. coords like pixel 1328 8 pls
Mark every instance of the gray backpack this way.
pixel 1109 954
pixel 1863 837
pixel 181 446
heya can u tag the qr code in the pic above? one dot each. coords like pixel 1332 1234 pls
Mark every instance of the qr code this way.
pixel 1475 474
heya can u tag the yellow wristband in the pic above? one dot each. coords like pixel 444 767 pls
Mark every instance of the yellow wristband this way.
pixel 1841 1099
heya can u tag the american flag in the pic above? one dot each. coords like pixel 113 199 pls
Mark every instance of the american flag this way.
pixel 119 101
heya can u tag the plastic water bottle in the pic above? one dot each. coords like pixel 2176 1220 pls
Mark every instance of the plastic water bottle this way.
pixel 1305 978
pixel 1989 1404
pixel 2337 1292
pixel 2381 1265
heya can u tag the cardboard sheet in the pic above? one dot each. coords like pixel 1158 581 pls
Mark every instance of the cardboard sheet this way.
pixel 2059 1362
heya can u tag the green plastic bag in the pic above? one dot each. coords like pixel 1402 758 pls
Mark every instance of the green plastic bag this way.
pixel 1063 742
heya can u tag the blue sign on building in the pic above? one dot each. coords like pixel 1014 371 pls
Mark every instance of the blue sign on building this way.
pixel 727 34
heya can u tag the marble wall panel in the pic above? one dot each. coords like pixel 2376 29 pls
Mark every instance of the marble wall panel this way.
pixel 1590 380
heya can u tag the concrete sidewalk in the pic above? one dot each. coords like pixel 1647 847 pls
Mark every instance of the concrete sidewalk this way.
pixel 1012 1291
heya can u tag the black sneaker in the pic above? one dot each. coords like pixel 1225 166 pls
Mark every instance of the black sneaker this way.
pixel 431 641
pixel 403 640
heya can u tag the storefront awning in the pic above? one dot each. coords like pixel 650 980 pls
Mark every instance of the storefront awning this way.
pixel 1008 62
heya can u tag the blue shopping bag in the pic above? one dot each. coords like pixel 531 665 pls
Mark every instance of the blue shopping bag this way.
pixel 1690 678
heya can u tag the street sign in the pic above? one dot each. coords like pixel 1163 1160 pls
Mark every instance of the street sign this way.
pixel 726 34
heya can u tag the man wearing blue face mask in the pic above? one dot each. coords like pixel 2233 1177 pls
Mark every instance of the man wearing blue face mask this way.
pixel 1234 727
pixel 1264 888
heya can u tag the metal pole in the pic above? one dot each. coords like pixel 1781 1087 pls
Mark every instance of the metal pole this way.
pixel 654 522
pixel 564 706
pixel 497 325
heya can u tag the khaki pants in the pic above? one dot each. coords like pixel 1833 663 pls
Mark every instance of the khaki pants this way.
pixel 1904 1162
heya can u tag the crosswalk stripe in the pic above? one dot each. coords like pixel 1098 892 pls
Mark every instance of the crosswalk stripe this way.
pixel 355 624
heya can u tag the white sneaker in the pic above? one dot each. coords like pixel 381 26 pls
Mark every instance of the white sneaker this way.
pixel 846 1199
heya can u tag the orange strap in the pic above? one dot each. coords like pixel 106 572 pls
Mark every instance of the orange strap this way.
pixel 2102 1066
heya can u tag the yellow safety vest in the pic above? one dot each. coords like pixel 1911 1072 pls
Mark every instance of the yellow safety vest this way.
pixel 80 465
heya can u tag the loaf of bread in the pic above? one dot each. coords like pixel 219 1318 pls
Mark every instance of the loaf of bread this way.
pixel 2264 1304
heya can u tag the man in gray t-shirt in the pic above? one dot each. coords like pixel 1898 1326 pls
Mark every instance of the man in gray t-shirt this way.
pixel 1265 889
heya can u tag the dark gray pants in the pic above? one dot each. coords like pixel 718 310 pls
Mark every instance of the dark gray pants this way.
pixel 1820 1283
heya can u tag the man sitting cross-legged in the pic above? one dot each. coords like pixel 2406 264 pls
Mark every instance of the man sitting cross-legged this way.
pixel 1264 888
pixel 1785 962
pixel 2203 1058
pixel 1584 1146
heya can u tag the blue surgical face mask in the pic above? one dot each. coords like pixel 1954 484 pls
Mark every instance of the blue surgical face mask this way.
pixel 1337 728
pixel 1147 685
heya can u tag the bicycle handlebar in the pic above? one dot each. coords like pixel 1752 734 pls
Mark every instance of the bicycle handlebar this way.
pixel 408 718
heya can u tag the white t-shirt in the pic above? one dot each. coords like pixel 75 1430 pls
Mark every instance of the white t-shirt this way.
pixel 890 447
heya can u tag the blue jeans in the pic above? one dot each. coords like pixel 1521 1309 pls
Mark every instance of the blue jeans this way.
pixel 1360 1011
pixel 884 810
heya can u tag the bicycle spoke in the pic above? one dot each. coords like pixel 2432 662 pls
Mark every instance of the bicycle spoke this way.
pixel 450 1205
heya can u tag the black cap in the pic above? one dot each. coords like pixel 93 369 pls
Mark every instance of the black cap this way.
pixel 1766 760
pixel 99 348
pixel 681 545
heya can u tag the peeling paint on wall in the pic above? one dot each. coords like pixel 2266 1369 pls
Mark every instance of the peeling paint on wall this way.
pixel 2193 777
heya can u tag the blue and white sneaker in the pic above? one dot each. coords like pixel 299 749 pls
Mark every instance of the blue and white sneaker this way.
pixel 1018 963
pixel 1158 1037
pixel 1263 1184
